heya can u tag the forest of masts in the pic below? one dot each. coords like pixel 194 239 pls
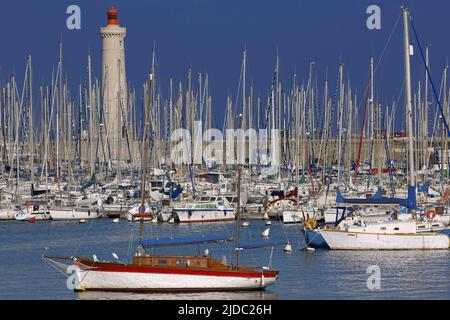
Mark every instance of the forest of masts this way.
pixel 51 131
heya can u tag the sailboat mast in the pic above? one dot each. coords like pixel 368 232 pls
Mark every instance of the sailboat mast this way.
pixel 145 155
pixel 31 138
pixel 425 123
pixel 91 118
pixel 409 114
pixel 238 213
pixel 341 94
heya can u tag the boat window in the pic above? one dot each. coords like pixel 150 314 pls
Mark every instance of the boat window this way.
pixel 420 227
pixel 183 262
pixel 435 225
pixel 396 229
pixel 156 184
pixel 162 261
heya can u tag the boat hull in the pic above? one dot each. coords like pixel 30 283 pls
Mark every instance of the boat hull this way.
pixel 37 215
pixel 165 216
pixel 343 240
pixel 123 278
pixel 138 217
pixel 74 214
pixel 7 214
pixel 194 216
pixel 315 240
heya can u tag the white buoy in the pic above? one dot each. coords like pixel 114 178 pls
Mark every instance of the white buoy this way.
pixel 82 221
pixel 268 223
pixel 95 258
pixel 155 220
pixel 245 224
pixel 310 249
pixel 115 256
pixel 265 233
pixel 288 247
pixel 116 220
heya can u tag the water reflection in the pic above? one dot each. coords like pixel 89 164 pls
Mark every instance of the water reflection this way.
pixel 322 274
pixel 234 295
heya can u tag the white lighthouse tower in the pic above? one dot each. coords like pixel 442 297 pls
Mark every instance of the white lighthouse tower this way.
pixel 114 86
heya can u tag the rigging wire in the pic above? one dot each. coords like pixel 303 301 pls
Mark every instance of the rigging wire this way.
pixel 429 77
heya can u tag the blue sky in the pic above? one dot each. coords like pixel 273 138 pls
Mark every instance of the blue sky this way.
pixel 209 35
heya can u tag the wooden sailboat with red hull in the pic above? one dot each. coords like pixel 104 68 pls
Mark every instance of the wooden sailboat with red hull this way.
pixel 169 273
pixel 147 273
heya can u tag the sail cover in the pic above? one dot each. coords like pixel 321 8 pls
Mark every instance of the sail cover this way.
pixel 377 199
pixel 246 246
pixel 183 241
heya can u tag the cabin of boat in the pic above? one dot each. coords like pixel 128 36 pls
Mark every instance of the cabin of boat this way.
pixel 206 202
pixel 385 227
pixel 180 262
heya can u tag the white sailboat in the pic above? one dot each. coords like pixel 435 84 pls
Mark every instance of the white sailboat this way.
pixel 387 235
pixel 392 234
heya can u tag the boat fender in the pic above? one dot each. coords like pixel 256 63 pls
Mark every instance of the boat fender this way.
pixel 311 224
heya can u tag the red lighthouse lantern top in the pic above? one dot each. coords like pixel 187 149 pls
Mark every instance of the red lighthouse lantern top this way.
pixel 113 18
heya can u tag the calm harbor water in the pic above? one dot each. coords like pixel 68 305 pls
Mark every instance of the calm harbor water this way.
pixel 322 274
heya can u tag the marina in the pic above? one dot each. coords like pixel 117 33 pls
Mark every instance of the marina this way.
pixel 303 275
pixel 309 189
